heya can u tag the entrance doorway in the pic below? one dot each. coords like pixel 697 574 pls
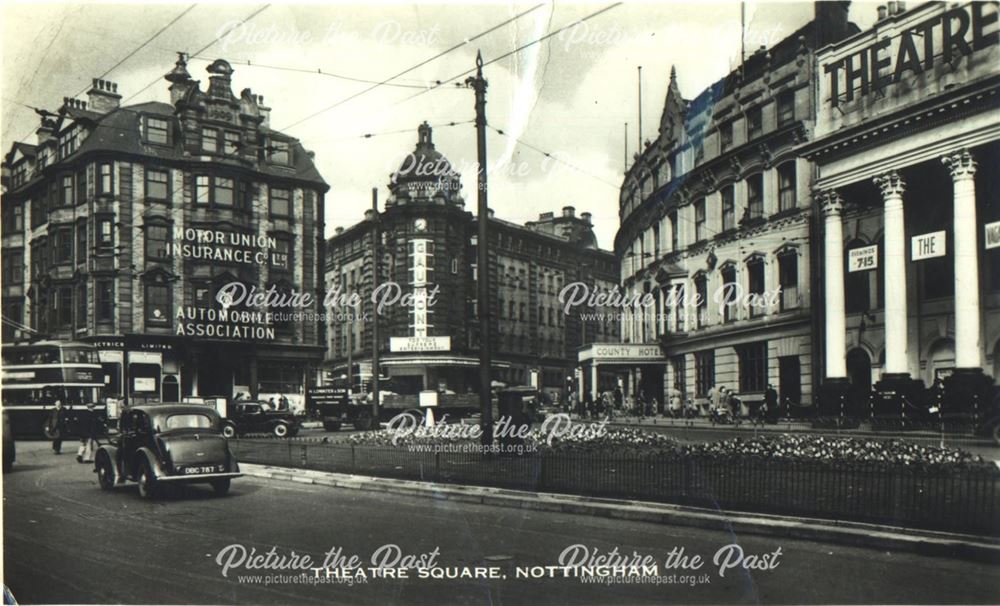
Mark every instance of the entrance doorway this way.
pixel 859 370
pixel 171 389
pixel 789 381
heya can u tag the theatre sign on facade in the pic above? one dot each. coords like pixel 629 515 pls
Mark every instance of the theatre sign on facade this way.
pixel 122 223
pixel 907 153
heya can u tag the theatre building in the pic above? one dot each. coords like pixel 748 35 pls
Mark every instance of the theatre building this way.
pixel 426 251
pixel 122 223
pixel 907 151
pixel 716 224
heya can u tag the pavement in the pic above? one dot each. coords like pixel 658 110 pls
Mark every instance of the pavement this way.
pixel 875 536
pixel 67 541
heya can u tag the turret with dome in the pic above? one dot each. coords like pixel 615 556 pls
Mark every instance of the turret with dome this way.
pixel 425 176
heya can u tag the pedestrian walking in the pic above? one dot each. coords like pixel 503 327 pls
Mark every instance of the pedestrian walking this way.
pixel 91 428
pixel 55 426
pixel 674 401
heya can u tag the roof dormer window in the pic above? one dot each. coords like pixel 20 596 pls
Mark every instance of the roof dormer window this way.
pixel 279 152
pixel 157 131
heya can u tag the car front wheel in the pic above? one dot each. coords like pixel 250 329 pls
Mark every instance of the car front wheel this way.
pixel 280 430
pixel 221 487
pixel 105 473
pixel 148 488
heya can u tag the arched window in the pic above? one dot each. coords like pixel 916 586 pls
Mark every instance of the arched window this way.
pixel 756 285
pixel 701 294
pixel 788 278
pixel 729 292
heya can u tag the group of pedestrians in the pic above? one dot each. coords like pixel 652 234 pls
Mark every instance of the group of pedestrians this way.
pixel 722 405
pixel 87 425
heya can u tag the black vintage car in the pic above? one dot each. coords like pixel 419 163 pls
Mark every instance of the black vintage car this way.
pixel 256 417
pixel 159 444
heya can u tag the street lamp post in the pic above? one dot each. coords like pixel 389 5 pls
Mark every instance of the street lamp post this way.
pixel 375 336
pixel 478 83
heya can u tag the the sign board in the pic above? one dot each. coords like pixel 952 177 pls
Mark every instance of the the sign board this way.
pixel 409 344
pixel 862 259
pixel 144 384
pixel 928 246
pixel 612 352
pixel 992 234
pixel 145 357
pixel 428 398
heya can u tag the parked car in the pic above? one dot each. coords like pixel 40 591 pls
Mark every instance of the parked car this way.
pixel 8 443
pixel 251 417
pixel 166 444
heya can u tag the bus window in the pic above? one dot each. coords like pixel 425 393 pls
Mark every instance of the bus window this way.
pixel 79 356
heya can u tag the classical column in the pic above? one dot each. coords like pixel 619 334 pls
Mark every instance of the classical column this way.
pixel 832 207
pixel 593 380
pixel 967 333
pixel 892 187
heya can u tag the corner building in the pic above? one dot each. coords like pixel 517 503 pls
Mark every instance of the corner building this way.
pixel 716 227
pixel 426 245
pixel 121 225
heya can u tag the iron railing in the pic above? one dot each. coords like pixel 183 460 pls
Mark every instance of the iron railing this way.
pixel 956 499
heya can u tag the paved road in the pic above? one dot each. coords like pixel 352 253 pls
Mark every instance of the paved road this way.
pixel 66 541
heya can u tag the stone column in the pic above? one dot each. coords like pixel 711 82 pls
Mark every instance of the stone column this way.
pixel 593 380
pixel 968 351
pixel 832 207
pixel 896 359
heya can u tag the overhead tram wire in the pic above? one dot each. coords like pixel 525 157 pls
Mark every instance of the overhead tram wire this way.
pixel 200 50
pixel 457 77
pixel 388 132
pixel 418 65
pixel 317 71
pixel 555 158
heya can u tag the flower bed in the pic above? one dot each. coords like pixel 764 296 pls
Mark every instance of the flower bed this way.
pixel 805 448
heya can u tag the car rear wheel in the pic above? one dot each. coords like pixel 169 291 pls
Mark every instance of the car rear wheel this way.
pixel 280 430
pixel 228 431
pixel 221 487
pixel 148 488
pixel 105 472
pixel 331 425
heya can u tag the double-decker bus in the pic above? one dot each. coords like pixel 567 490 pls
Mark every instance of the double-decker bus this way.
pixel 36 375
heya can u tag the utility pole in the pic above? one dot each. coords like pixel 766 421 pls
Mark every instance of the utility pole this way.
pixel 478 83
pixel 639 149
pixel 376 256
pixel 626 149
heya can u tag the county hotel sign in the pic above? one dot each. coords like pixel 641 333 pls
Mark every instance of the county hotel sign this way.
pixel 906 58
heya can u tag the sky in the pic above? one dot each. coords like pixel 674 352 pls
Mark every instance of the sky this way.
pixel 567 99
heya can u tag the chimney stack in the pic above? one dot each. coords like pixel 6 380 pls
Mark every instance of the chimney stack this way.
pixel 569 212
pixel 338 231
pixel 70 103
pixel 103 96
pixel 882 13
pixel 586 217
